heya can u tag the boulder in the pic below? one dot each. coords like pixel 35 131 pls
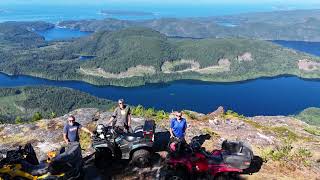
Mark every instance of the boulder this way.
pixel 217 113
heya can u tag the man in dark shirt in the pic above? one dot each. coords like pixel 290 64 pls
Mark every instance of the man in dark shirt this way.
pixel 71 130
pixel 178 126
pixel 121 117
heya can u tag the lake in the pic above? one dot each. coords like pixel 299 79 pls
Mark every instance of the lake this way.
pixel 61 34
pixel 278 96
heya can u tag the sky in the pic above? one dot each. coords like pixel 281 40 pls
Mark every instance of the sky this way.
pixel 275 2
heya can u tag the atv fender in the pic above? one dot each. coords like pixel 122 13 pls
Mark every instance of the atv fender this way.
pixel 105 146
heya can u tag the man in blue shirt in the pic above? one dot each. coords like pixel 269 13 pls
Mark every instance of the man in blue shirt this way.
pixel 178 126
pixel 71 130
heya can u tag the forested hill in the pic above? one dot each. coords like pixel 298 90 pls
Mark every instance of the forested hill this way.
pixel 135 56
pixel 22 34
pixel 34 103
pixel 302 25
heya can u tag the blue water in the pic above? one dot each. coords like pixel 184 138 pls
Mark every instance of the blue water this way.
pixel 56 13
pixel 84 58
pixel 307 47
pixel 62 34
pixel 279 96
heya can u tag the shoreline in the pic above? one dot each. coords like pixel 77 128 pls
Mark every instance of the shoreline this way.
pixel 156 82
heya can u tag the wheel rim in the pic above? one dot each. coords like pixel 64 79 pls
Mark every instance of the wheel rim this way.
pixel 175 178
pixel 141 161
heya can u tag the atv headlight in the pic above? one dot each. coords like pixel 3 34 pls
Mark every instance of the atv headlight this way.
pixel 101 136
pixel 100 128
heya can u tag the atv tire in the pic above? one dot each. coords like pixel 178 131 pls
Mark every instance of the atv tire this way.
pixel 141 158
pixel 227 176
pixel 179 174
pixel 102 157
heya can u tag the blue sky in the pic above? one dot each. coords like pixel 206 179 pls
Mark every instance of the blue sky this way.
pixel 275 2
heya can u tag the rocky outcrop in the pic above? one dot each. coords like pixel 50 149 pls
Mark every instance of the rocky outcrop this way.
pixel 265 134
pixel 217 113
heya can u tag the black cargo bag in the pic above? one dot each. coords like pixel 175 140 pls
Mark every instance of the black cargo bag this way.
pixel 69 161
pixel 237 154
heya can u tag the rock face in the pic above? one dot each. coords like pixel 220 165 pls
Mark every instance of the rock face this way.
pixel 46 135
pixel 262 133
pixel 218 112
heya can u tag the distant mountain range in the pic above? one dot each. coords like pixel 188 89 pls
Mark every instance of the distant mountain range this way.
pixel 126 13
pixel 302 25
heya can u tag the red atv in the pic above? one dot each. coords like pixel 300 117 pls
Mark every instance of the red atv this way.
pixel 191 161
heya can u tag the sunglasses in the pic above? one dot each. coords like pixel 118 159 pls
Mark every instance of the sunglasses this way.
pixel 178 116
pixel 120 103
pixel 71 120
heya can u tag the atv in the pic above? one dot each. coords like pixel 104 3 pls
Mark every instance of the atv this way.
pixel 111 144
pixel 191 161
pixel 23 164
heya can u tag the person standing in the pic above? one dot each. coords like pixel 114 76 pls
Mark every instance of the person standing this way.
pixel 178 126
pixel 71 130
pixel 121 117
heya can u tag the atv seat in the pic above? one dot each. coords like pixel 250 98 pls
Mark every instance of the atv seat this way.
pixel 130 137
pixel 35 170
pixel 69 160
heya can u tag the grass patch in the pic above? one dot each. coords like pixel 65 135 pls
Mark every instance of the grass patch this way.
pixel 284 132
pixel 85 140
pixel 286 153
pixel 232 115
pixel 281 131
pixel 157 115
pixel 310 116
pixel 210 132
pixel 19 139
pixel 312 130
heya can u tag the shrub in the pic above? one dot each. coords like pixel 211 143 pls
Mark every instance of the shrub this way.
pixel 85 139
pixel 138 110
pixel 53 115
pixel 280 153
pixel 18 120
pixel 149 113
pixel 302 155
pixel 36 117
pixel 284 153
pixel 190 115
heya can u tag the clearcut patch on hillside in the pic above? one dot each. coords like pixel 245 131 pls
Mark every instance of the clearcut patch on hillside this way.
pixel 308 65
pixel 194 66
pixel 247 56
pixel 139 70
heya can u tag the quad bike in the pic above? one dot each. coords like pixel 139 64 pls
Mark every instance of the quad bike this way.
pixel 191 161
pixel 110 144
pixel 23 164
